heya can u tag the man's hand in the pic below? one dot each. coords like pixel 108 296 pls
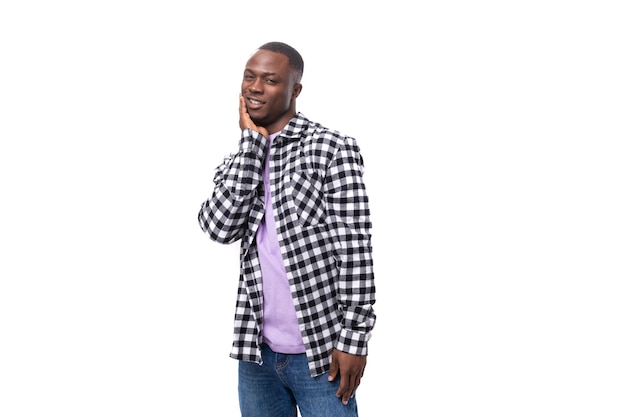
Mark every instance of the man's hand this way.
pixel 245 122
pixel 351 368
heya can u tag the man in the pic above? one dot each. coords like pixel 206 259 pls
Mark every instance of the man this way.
pixel 293 194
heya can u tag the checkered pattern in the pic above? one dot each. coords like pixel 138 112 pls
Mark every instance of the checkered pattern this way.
pixel 322 219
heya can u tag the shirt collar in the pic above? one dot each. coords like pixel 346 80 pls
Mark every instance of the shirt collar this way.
pixel 294 128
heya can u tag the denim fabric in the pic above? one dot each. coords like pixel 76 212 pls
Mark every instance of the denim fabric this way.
pixel 283 385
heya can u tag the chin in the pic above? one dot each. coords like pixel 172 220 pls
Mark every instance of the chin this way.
pixel 258 120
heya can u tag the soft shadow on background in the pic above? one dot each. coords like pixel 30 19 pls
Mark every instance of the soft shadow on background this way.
pixel 493 143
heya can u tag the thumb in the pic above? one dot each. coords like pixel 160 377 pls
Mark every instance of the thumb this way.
pixel 334 369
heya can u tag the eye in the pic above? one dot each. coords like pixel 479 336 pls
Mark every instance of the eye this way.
pixel 270 81
pixel 247 77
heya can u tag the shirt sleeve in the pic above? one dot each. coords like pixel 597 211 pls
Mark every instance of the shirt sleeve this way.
pixel 348 207
pixel 224 216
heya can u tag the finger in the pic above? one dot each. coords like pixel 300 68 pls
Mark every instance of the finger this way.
pixel 241 112
pixel 242 108
pixel 332 372
pixel 244 118
pixel 348 393
pixel 358 383
pixel 351 387
pixel 345 388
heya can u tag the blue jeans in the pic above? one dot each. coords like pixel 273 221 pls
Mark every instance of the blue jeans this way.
pixel 283 383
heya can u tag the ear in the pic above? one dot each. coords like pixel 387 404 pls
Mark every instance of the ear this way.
pixel 296 90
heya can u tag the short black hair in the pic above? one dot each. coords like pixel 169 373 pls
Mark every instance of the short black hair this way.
pixel 294 57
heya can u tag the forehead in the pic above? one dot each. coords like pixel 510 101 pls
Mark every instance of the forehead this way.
pixel 268 61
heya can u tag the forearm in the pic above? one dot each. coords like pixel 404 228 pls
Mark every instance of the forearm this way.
pixel 236 182
pixel 356 294
pixel 348 206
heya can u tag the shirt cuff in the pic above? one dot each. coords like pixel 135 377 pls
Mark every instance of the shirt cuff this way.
pixel 253 141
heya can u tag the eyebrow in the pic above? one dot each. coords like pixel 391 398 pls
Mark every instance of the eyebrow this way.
pixel 265 73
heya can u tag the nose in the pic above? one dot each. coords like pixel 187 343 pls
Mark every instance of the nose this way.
pixel 256 85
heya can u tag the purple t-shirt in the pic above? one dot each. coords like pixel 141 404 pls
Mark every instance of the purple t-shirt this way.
pixel 280 324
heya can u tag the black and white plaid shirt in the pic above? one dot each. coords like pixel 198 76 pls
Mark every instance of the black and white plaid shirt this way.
pixel 322 219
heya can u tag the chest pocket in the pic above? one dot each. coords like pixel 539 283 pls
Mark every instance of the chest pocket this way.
pixel 308 197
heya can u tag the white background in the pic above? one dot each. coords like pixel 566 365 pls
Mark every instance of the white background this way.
pixel 493 138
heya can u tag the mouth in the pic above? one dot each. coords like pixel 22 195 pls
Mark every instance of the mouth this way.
pixel 254 104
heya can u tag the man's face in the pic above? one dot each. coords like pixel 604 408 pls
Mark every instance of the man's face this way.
pixel 270 89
